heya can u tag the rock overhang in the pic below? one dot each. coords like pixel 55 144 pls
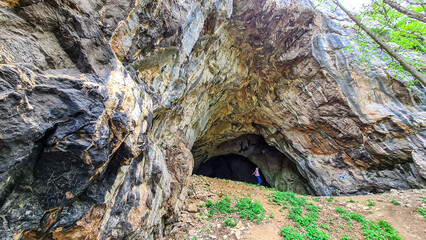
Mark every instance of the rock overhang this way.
pixel 210 72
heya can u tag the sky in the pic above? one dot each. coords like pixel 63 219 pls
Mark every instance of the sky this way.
pixel 354 5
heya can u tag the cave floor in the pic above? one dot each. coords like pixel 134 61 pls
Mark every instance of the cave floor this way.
pixel 194 223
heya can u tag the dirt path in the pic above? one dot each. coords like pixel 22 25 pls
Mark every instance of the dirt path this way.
pixel 194 223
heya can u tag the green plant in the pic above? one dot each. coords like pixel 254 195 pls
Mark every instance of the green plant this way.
pixel 330 199
pixel 424 199
pixel 231 222
pixel 372 230
pixel 324 226
pixel 317 199
pixel 394 202
pixel 291 233
pixel 379 230
pixel 304 214
pixel 348 215
pixel 249 209
pixel 371 203
pixel 422 211
pixel 345 237
pixel 271 215
pixel 350 201
pixel 245 207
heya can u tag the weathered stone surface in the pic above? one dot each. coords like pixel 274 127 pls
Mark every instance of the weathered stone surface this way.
pixel 276 168
pixel 102 103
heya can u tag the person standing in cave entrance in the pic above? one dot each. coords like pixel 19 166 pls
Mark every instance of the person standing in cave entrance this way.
pixel 256 173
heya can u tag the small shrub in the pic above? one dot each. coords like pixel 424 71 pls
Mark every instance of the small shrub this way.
pixel 379 230
pixel 345 237
pixel 245 207
pixel 291 233
pixel 370 203
pixel 422 211
pixel 348 215
pixel 231 222
pixel 306 219
pixel 394 202
pixel 330 199
pixel 325 226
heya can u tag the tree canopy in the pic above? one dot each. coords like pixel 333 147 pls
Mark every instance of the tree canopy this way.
pixel 399 28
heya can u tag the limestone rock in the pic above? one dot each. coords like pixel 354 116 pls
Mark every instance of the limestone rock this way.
pixel 106 107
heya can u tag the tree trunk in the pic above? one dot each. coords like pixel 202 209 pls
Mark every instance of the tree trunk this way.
pixel 407 67
pixel 408 12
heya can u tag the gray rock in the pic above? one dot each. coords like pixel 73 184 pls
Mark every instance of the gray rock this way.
pixel 107 106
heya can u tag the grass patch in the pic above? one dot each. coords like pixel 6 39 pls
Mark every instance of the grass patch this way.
pixel 370 203
pixel 304 214
pixel 330 199
pixel 379 230
pixel 372 230
pixel 231 222
pixel 345 237
pixel 394 202
pixel 245 207
pixel 422 211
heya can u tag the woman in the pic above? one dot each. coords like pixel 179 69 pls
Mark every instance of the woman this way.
pixel 256 173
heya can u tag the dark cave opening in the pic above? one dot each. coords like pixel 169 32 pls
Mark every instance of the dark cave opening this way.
pixel 233 167
pixel 237 158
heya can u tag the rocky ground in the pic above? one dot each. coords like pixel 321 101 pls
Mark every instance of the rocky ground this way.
pixel 194 223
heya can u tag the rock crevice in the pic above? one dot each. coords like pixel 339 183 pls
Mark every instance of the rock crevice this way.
pixel 107 106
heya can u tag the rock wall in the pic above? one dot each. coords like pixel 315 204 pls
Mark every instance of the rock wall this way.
pixel 278 170
pixel 105 107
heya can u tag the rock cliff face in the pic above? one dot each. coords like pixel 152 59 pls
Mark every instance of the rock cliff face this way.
pixel 106 106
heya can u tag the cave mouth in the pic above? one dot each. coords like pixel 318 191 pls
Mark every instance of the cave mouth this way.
pixel 236 159
pixel 233 167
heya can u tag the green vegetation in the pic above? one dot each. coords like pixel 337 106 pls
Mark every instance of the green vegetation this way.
pixel 371 203
pixel 324 226
pixel 379 230
pixel 394 202
pixel 347 215
pixel 304 214
pixel 424 199
pixel 245 207
pixel 345 237
pixel 351 201
pixel 231 222
pixel 422 211
pixel 372 230
pixel 391 26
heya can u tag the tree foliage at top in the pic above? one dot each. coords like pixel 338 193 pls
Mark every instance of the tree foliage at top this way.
pixel 396 26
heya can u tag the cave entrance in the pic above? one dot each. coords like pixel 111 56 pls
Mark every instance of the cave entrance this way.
pixel 233 167
pixel 236 159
